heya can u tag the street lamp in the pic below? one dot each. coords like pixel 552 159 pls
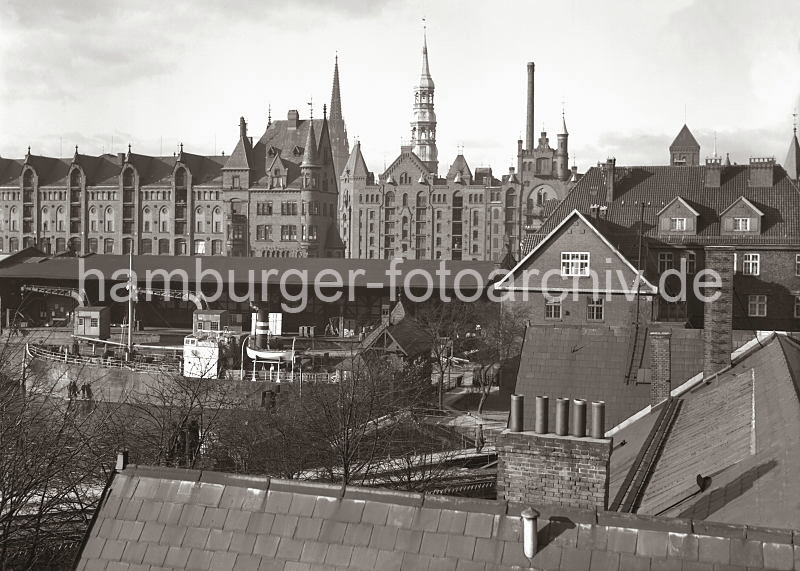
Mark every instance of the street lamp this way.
pixel 245 341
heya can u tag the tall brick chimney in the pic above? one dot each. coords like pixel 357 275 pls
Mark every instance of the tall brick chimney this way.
pixel 529 140
pixel 608 178
pixel 718 314
pixel 551 469
pixel 660 367
pixel 713 172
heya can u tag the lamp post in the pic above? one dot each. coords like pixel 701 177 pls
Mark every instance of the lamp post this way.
pixel 245 341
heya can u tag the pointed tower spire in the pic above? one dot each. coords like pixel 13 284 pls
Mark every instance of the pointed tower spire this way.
pixel 310 158
pixel 792 163
pixel 423 125
pixel 336 97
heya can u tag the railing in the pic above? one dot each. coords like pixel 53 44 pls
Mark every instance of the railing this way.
pixel 164 367
pixel 284 376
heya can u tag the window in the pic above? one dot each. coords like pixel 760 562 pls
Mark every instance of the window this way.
pixel 264 232
pixel 147 246
pixel 95 322
pixel 797 264
pixel 163 221
pixel 751 264
pixel 108 246
pixel 199 220
pixel 312 233
pixel 216 219
pixel 147 220
pixel 741 224
pixel 109 219
pixel 691 263
pixel 552 309
pixel 664 262
pixel 288 233
pixel 163 247
pixel 757 305
pixel 199 247
pixel 61 219
pixel 127 245
pixel 574 263
pixel 216 247
pixel 797 306
pixel 677 224
pixel 594 309
pixel 289 208
pixel 264 208
pixel 93 245
pixel 93 219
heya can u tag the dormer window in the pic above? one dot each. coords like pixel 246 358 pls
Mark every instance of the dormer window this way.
pixel 741 217
pixel 741 224
pixel 677 224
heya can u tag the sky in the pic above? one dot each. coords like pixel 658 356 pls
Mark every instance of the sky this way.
pixel 102 74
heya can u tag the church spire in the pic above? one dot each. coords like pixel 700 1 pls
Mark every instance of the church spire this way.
pixel 423 125
pixel 336 98
pixel 310 155
pixel 792 164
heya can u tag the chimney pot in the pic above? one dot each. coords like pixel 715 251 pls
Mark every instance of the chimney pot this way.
pixel 122 460
pixel 598 419
pixel 530 541
pixel 562 416
pixel 579 418
pixel 516 423
pixel 542 413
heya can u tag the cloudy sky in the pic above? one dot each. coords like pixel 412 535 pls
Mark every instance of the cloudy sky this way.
pixel 102 73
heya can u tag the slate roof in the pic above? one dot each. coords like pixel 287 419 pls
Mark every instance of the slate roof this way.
pixel 685 139
pixel 166 518
pixel 460 166
pixel 356 165
pixel 656 186
pixel 742 429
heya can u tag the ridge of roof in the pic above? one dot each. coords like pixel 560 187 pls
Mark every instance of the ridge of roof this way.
pixel 684 139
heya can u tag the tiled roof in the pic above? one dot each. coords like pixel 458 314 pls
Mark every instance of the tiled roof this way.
pixel 792 163
pixel 742 429
pixel 165 518
pixel 658 185
pixel 410 336
pixel 356 166
pixel 684 139
pixel 459 166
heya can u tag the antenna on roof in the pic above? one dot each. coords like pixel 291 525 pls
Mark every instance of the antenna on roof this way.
pixel 311 106
pixel 269 114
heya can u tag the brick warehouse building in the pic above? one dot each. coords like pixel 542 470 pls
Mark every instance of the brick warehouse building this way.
pixel 275 198
pixel 411 211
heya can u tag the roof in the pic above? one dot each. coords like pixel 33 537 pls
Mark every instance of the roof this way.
pixel 792 163
pixel 593 363
pixel 156 518
pixel 410 336
pixel 356 166
pixel 461 167
pixel 742 429
pixel 425 79
pixel 685 139
pixel 362 273
pixel 656 186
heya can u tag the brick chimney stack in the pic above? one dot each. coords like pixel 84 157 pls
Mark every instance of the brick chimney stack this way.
pixel 660 367
pixel 713 172
pixel 718 314
pixel 761 172
pixel 568 470
pixel 608 177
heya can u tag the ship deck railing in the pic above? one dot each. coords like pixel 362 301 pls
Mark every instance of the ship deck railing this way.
pixel 36 351
pixel 284 376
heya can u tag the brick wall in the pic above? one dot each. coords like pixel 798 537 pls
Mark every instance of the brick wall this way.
pixel 660 359
pixel 551 469
pixel 718 315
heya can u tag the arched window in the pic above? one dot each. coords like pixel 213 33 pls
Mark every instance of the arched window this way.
pixel 75 179
pixel 45 220
pixel 61 219
pixel 146 247
pixel 180 178
pixel 405 199
pixel 199 247
pixel 74 244
pixel 180 247
pixel 420 199
pixel 93 221
pixel 108 246
pixel 163 247
pixel 61 245
pixel 127 245
pixel 163 222
pixel 147 221
pixel 390 199
pixel 14 219
pixel 216 220
pixel 92 245
pixel 27 179
pixel 127 179
pixel 216 247
pixel 13 244
pixel 200 219
pixel 475 218
pixel 109 220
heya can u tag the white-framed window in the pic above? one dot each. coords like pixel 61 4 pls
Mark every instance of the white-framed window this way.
pixel 677 224
pixel 757 305
pixel 594 309
pixel 552 309
pixel 751 264
pixel 574 263
pixel 664 261
pixel 797 264
pixel 797 306
pixel 741 224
